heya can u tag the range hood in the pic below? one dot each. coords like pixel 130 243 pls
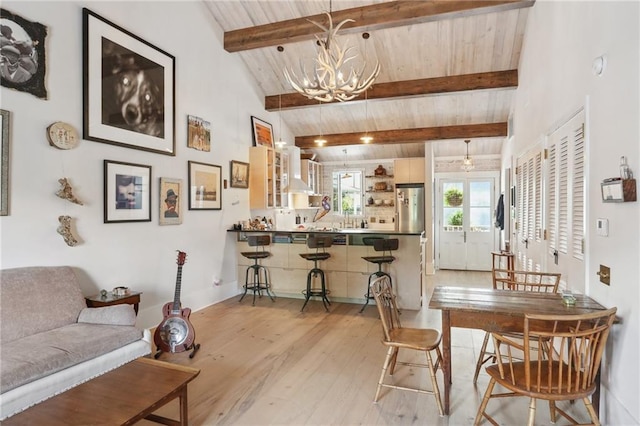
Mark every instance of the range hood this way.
pixel 296 184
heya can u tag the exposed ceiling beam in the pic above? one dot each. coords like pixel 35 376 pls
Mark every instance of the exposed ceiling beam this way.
pixel 386 137
pixel 367 18
pixel 420 87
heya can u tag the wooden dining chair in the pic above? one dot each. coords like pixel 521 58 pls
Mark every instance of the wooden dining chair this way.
pixel 397 337
pixel 504 279
pixel 568 372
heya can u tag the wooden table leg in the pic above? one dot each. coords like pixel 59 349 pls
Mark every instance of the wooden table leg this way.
pixel 446 354
pixel 184 407
pixel 595 397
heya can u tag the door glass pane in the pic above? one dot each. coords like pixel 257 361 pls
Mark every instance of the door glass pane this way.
pixel 480 206
pixel 452 206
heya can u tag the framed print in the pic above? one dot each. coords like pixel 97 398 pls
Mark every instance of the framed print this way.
pixel 127 192
pixel 205 182
pixel 24 63
pixel 170 201
pixel 128 88
pixel 4 165
pixel 262 132
pixel 239 174
pixel 198 134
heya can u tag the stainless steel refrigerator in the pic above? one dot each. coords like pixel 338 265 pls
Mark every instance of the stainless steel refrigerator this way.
pixel 410 207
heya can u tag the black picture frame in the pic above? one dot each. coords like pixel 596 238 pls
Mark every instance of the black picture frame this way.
pixel 5 123
pixel 205 186
pixel 262 132
pixel 239 174
pixel 127 192
pixel 112 57
pixel 26 41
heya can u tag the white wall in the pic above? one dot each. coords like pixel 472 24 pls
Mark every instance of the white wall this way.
pixel 555 80
pixel 210 83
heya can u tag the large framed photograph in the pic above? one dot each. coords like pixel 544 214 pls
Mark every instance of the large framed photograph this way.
pixel 170 201
pixel 4 162
pixel 262 132
pixel 24 64
pixel 127 192
pixel 128 88
pixel 205 182
pixel 239 174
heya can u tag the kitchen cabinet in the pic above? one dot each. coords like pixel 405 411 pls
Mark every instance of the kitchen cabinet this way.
pixel 409 170
pixel 268 176
pixel 311 173
pixel 281 178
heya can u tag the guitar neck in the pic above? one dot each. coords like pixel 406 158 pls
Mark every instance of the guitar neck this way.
pixel 176 296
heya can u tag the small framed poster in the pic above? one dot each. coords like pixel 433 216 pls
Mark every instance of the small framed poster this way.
pixel 239 174
pixel 205 183
pixel 170 201
pixel 262 132
pixel 127 192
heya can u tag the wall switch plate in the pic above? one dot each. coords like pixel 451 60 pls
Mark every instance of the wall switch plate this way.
pixel 605 275
pixel 602 227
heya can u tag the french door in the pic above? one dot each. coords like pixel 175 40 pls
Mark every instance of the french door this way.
pixel 466 231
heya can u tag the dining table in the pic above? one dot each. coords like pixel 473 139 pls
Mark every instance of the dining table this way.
pixel 498 311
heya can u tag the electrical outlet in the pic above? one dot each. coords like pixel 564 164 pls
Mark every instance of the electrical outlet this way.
pixel 605 275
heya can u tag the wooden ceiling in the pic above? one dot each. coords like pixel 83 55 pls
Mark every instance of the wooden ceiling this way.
pixel 448 71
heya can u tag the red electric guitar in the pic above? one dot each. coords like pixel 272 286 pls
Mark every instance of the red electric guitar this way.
pixel 175 333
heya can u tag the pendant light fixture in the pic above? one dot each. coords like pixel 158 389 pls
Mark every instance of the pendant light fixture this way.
pixel 280 143
pixel 467 162
pixel 366 138
pixel 346 174
pixel 320 141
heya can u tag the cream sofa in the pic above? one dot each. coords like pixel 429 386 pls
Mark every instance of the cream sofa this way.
pixel 50 341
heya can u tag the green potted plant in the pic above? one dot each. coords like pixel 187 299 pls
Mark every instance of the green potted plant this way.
pixel 456 219
pixel 453 197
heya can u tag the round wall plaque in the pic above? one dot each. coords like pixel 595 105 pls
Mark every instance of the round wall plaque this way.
pixel 62 135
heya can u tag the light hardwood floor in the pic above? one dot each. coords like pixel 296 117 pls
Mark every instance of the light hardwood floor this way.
pixel 270 364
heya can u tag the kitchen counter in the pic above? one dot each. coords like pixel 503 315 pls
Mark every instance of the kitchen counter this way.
pixel 326 231
pixel 346 271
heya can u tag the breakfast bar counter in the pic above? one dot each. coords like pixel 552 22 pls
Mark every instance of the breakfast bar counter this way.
pixel 347 273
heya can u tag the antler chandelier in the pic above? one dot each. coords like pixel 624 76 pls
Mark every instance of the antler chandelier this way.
pixel 330 79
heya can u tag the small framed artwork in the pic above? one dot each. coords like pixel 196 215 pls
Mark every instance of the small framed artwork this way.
pixel 4 162
pixel 127 192
pixel 262 132
pixel 239 174
pixel 205 182
pixel 23 54
pixel 117 111
pixel 170 201
pixel 198 134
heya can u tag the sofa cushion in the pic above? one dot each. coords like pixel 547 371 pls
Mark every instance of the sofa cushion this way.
pixel 109 315
pixel 33 357
pixel 36 299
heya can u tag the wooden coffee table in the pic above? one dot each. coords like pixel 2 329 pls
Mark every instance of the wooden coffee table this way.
pixel 120 397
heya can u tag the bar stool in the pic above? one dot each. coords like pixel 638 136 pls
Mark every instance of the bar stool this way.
pixel 260 279
pixel 386 246
pixel 320 244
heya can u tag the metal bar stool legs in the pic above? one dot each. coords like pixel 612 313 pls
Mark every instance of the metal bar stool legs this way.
pixel 379 273
pixel 259 282
pixel 322 292
pixel 386 246
pixel 320 244
pixel 259 279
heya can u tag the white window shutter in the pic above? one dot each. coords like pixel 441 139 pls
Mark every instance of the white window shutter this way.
pixel 577 208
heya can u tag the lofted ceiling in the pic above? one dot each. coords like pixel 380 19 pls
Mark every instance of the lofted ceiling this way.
pixel 448 71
